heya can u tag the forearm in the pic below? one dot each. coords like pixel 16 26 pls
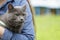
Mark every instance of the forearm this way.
pixel 8 35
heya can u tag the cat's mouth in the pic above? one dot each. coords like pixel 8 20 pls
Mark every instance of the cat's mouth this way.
pixel 18 23
pixel 22 21
pixel 15 23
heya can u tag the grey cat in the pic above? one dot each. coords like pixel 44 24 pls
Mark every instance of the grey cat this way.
pixel 14 18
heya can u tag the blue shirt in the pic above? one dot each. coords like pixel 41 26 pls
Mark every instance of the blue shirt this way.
pixel 27 32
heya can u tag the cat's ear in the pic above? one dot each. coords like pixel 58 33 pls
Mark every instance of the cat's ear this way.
pixel 10 6
pixel 24 8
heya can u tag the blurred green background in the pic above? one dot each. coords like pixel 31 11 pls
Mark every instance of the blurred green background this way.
pixel 47 27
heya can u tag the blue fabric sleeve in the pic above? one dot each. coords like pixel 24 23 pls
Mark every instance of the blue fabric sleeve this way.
pixel 27 31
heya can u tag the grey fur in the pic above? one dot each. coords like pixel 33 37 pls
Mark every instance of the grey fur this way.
pixel 14 18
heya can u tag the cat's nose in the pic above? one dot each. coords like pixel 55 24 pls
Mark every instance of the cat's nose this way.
pixel 21 19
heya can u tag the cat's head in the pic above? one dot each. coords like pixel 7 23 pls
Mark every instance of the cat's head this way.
pixel 16 15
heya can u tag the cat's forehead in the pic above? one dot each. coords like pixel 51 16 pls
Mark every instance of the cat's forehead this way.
pixel 17 6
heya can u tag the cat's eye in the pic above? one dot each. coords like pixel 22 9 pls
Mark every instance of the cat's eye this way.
pixel 23 14
pixel 17 14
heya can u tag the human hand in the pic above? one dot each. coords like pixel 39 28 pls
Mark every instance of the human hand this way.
pixel 2 29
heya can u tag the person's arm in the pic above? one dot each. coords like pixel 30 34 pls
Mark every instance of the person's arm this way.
pixel 27 31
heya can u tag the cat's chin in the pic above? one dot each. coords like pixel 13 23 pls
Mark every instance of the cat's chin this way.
pixel 15 23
